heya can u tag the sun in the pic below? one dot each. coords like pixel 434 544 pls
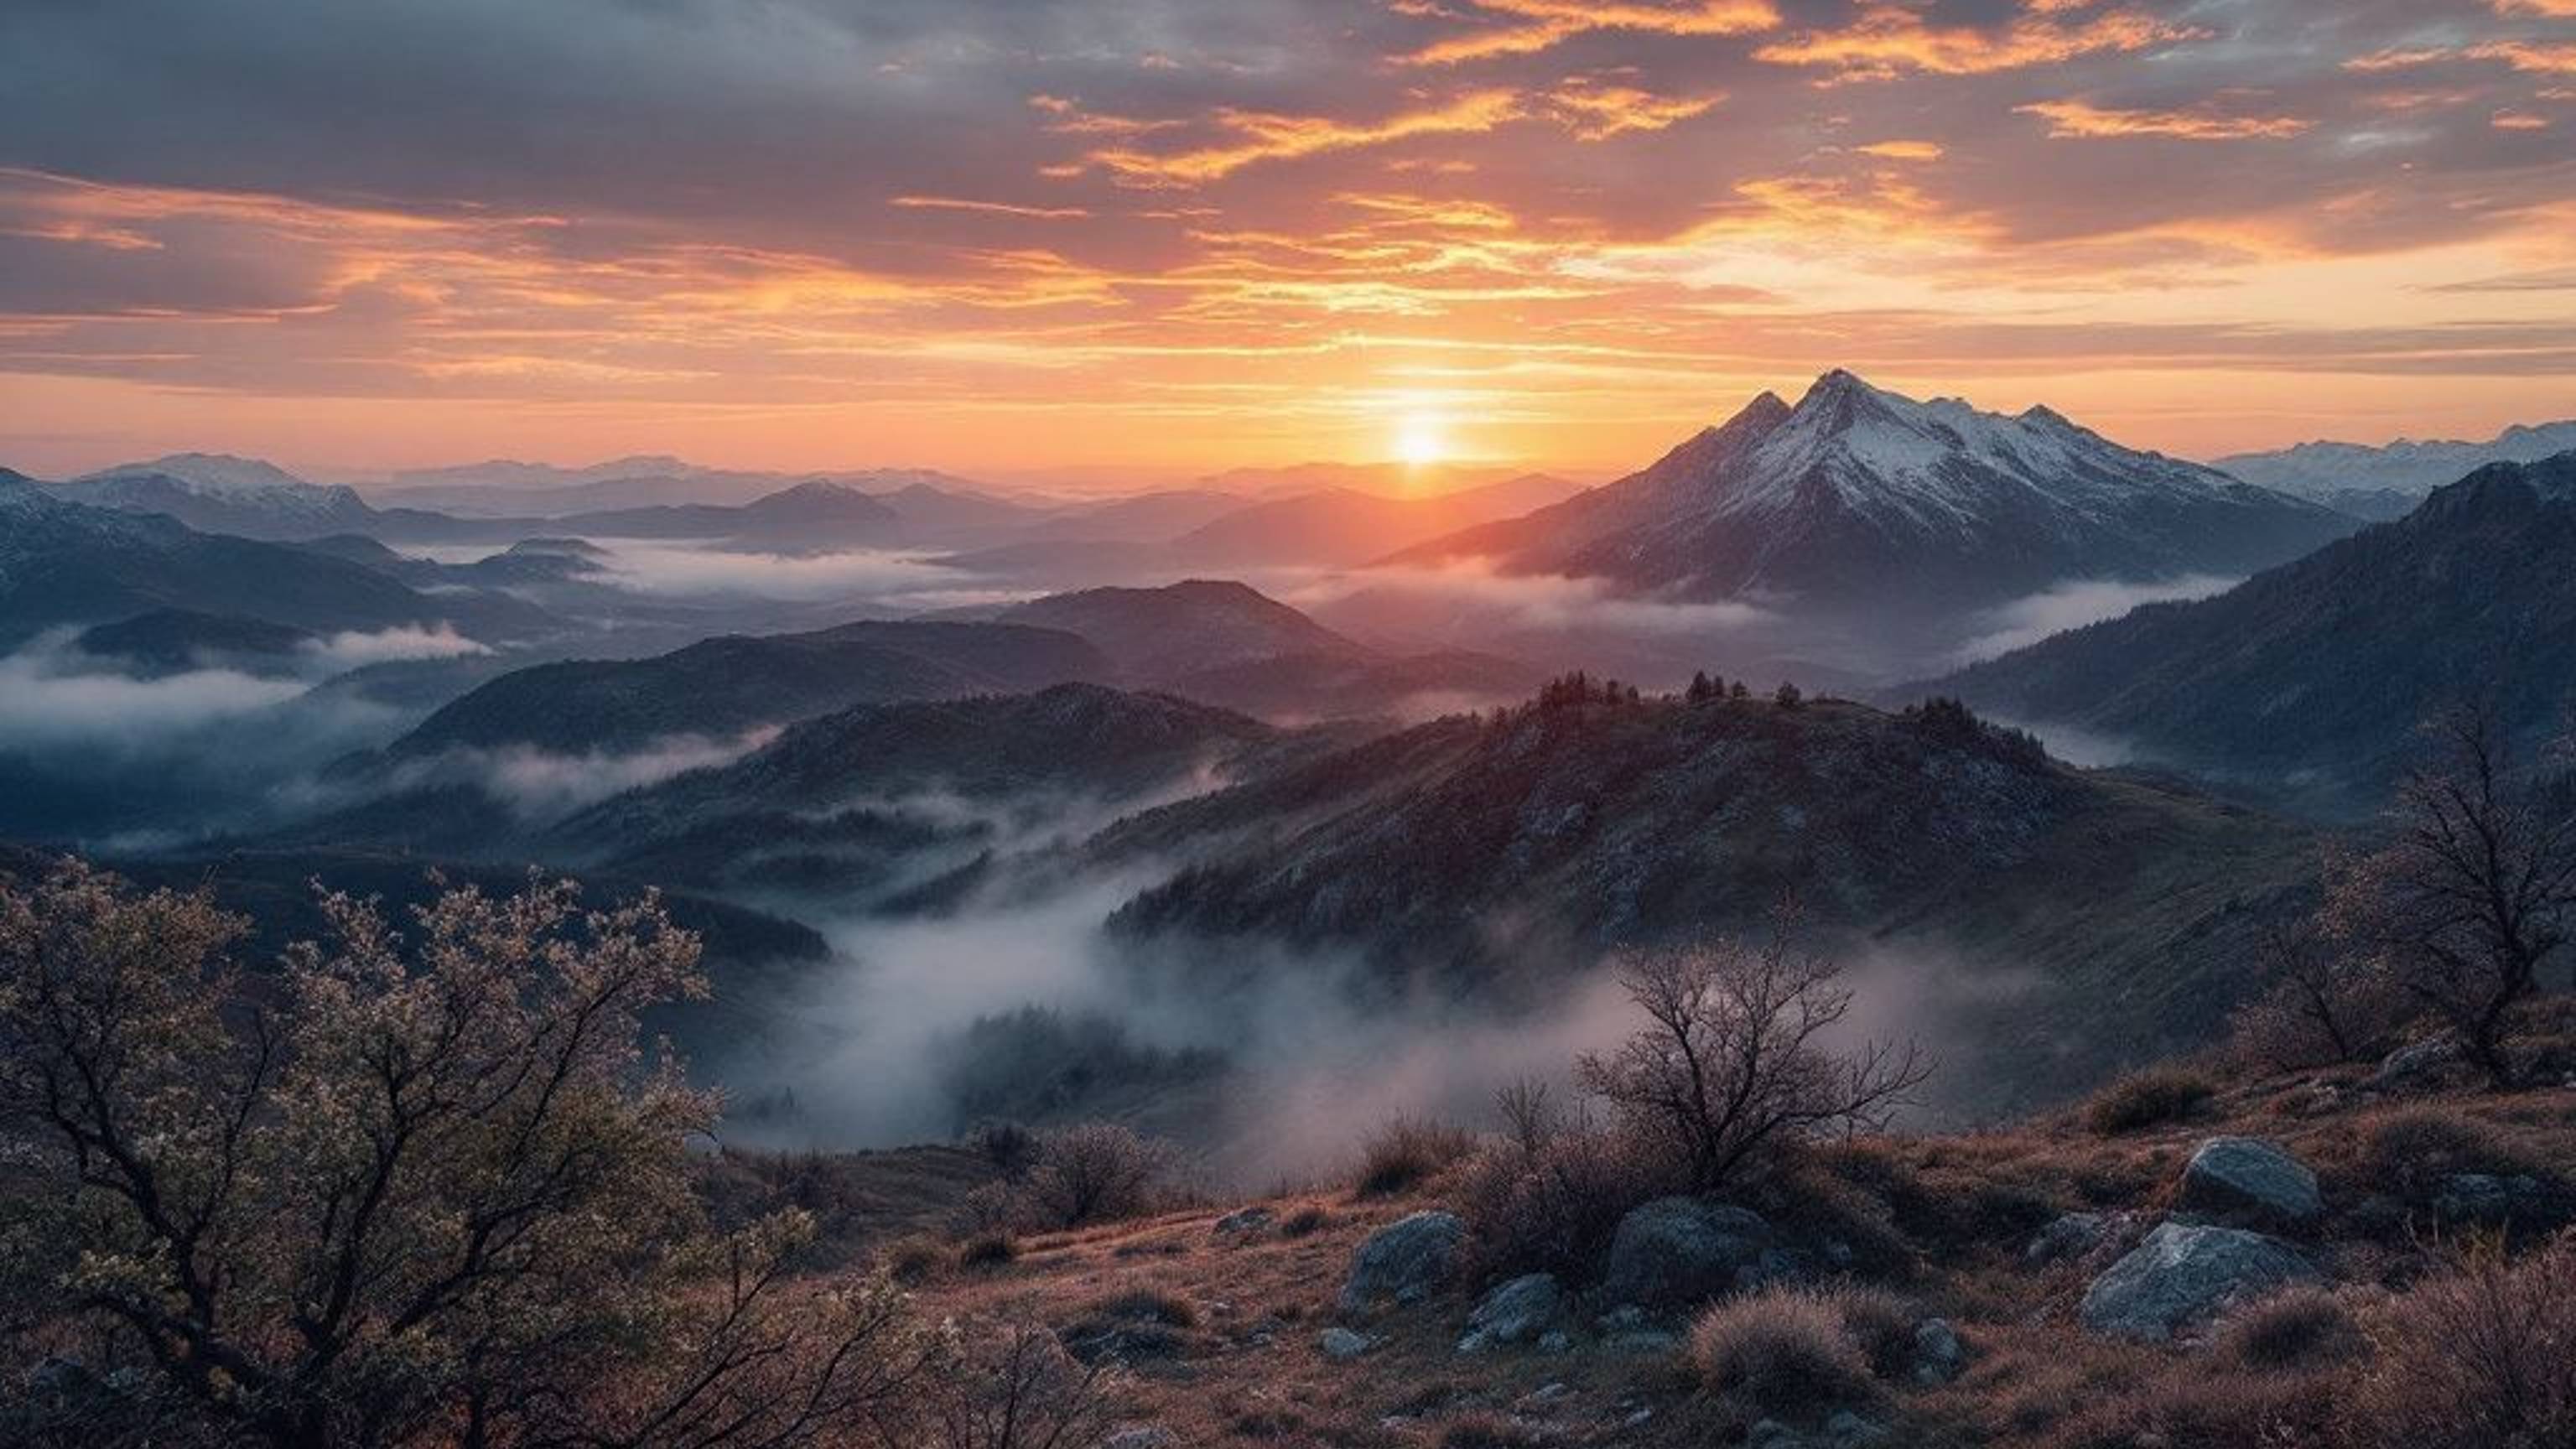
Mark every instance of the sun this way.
pixel 1421 439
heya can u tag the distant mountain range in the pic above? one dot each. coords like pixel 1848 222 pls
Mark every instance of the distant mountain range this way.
pixel 1215 641
pixel 1857 499
pixel 2384 483
pixel 2311 678
pixel 63 562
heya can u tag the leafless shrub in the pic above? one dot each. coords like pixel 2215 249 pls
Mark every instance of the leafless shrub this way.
pixel 2483 1357
pixel 1531 1114
pixel 1733 1062
pixel 1406 1152
pixel 1022 1392
pixel 2412 1151
pixel 1092 1173
pixel 1555 1209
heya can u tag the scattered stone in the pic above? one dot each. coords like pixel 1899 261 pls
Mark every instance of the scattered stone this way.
pixel 1514 1313
pixel 1556 1340
pixel 1937 1354
pixel 1146 1437
pixel 1679 1252
pixel 1246 1220
pixel 1641 1342
pixel 2492 1200
pixel 1405 1260
pixel 2185 1273
pixel 2073 1235
pixel 2415 1067
pixel 1342 1344
pixel 2245 1177
pixel 1848 1428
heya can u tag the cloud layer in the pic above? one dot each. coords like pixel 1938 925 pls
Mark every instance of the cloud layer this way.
pixel 998 233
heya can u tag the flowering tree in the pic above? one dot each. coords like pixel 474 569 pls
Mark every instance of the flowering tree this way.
pixel 425 1190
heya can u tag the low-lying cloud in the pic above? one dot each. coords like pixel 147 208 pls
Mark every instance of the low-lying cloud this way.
pixel 890 579
pixel 355 649
pixel 52 697
pixel 2074 604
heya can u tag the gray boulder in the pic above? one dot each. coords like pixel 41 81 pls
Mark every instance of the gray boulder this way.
pixel 1342 1345
pixel 1246 1220
pixel 2492 1200
pixel 1937 1354
pixel 2074 1235
pixel 2250 1179
pixel 2183 1274
pixel 1679 1252
pixel 1516 1312
pixel 2418 1066
pixel 1405 1261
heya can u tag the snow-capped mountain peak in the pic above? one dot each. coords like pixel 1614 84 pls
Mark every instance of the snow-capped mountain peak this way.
pixel 1860 493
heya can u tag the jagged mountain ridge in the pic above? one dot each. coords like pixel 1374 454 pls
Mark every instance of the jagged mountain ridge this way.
pixel 2315 674
pixel 2386 482
pixel 70 563
pixel 1860 498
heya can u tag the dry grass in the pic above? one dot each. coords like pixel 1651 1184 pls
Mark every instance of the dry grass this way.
pixel 1783 1351
pixel 2482 1356
pixel 2150 1098
pixel 1409 1152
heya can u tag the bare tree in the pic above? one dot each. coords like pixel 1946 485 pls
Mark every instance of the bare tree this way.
pixel 1734 1061
pixel 2326 1004
pixel 403 1193
pixel 2475 892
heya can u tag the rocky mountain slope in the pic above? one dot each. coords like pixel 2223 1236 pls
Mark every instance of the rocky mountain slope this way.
pixel 2060 921
pixel 2312 677
pixel 1857 498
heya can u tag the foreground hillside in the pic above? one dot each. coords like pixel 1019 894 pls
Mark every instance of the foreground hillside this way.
pixel 1964 1268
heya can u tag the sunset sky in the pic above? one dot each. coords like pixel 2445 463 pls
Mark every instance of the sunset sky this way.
pixel 1017 237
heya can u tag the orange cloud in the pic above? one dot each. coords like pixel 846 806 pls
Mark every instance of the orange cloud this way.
pixel 1598 112
pixel 2532 57
pixel 1263 136
pixel 1527 27
pixel 1904 150
pixel 2082 119
pixel 2560 9
pixel 996 208
pixel 1889 40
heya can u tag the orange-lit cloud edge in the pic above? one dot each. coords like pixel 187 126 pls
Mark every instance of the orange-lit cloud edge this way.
pixel 1567 231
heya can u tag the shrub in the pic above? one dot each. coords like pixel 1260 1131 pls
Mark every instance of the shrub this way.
pixel 2412 1151
pixel 2149 1098
pixel 1555 1209
pixel 1093 1173
pixel 991 1249
pixel 2481 1358
pixel 1409 1151
pixel 1783 1351
pixel 2299 1328
pixel 1304 1221
pixel 1880 1322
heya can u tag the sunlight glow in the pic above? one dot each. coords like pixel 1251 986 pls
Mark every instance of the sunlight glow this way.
pixel 1422 439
